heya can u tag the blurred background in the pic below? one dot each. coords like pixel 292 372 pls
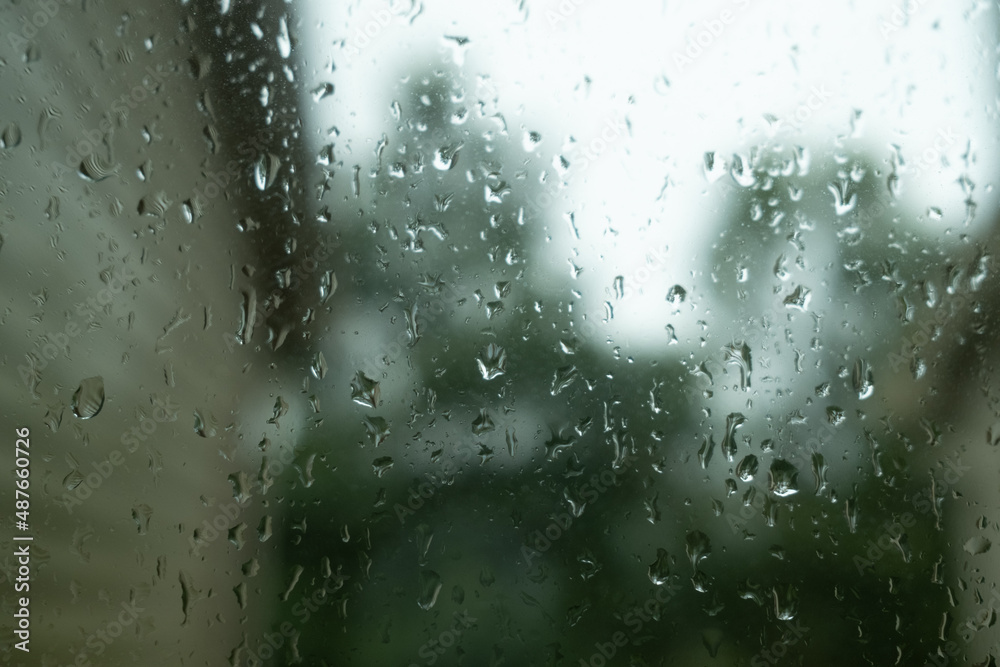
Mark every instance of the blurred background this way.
pixel 532 333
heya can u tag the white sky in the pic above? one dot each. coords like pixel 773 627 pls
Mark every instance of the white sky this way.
pixel 912 75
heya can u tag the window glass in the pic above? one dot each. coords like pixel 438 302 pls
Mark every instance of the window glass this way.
pixel 540 332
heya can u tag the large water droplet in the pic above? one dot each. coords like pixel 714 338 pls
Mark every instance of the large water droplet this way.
pixel 283 40
pixel 747 468
pixel 94 168
pixel 659 570
pixel 446 157
pixel 430 586
pixel 786 602
pixel 531 140
pixel 364 390
pixel 11 136
pixel 705 451
pixel 738 354
pixel 733 422
pixel 321 91
pixel 862 379
pixel 89 398
pixel 564 377
pixel 798 299
pixel 492 361
pixel 377 428
pixel 265 169
pixel 698 547
pixel 782 480
pixel 318 366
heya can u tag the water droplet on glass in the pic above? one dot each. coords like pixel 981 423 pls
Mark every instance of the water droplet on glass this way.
pixel 564 377
pixel 733 422
pixel 697 547
pixel 659 570
pixel 89 398
pixel 714 167
pixel 738 354
pixel 798 299
pixel 382 465
pixel 483 423
pixel 265 169
pixel 446 157
pixel 742 171
pixel 531 140
pixel 843 199
pixel 318 366
pixel 705 451
pixel 819 469
pixel 863 379
pixel 11 136
pixel 747 468
pixel 676 295
pixel 154 205
pixel 835 415
pixel 283 40
pixel 141 514
pixel 377 429
pixel 977 545
pixel 511 438
pixel 321 91
pixel 280 410
pixel 492 361
pixel 94 168
pixel 782 480
pixel 786 602
pixel 364 390
pixel 430 586
pixel 203 426
pixel 73 480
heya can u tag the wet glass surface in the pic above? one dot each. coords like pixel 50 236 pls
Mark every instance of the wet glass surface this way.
pixel 535 333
